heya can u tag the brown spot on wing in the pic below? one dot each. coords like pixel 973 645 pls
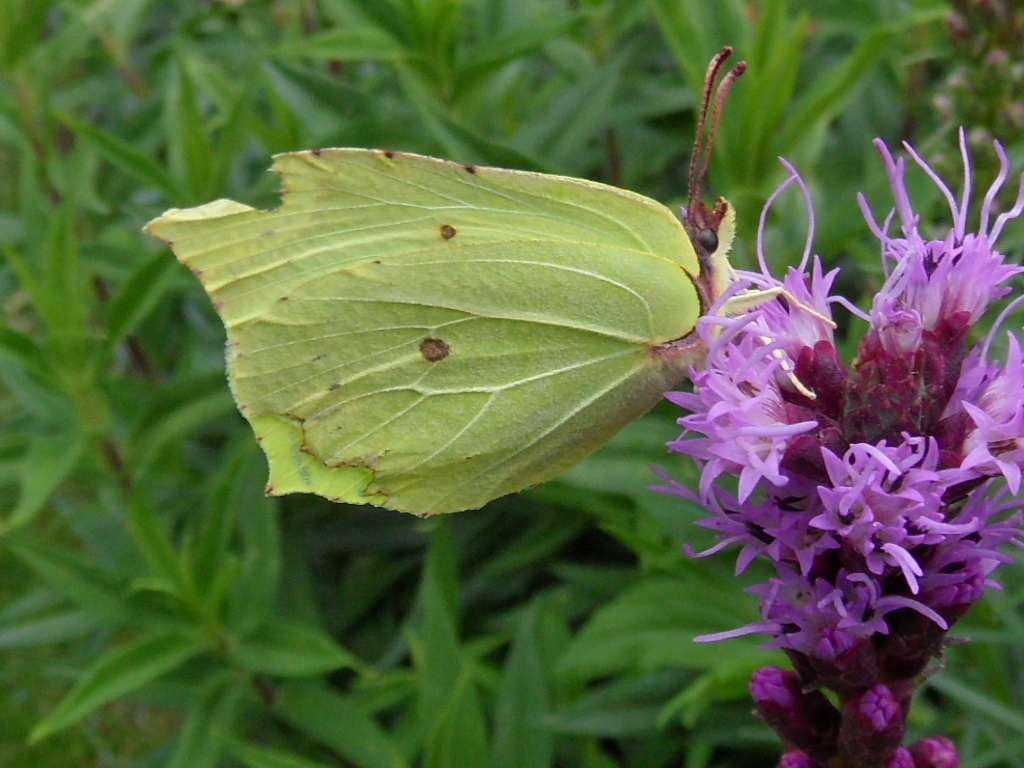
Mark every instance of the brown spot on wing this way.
pixel 434 350
pixel 447 231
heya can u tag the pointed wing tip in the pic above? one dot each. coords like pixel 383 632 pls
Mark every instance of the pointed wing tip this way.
pixel 217 209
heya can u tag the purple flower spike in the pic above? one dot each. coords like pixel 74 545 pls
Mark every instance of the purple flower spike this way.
pixel 881 489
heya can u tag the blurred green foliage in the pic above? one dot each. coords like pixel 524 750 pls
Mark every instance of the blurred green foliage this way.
pixel 157 610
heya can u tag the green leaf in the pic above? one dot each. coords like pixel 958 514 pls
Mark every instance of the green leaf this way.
pixel 259 756
pixel 74 576
pixel 24 351
pixel 971 698
pixel 47 629
pixel 126 157
pixel 46 464
pixel 231 140
pixel 155 544
pixel 138 297
pixel 653 624
pixel 691 29
pixel 361 43
pixel 435 642
pixel 290 649
pixel 497 50
pixel 455 138
pixel 255 591
pixel 626 706
pixel 338 723
pixel 189 149
pixel 459 736
pixel 727 681
pixel 201 738
pixel 174 411
pixel 569 127
pixel 818 104
pixel 116 673
pixel 44 402
pixel 216 526
pixel 522 699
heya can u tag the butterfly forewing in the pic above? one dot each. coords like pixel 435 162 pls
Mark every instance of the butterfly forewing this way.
pixel 427 336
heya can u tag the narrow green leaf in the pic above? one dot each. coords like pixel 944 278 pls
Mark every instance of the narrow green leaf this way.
pixel 216 525
pixel 46 463
pixel 48 272
pixel 175 411
pixel 652 625
pixel 831 90
pixel 582 113
pixel 201 738
pixel 457 140
pixel 255 590
pixel 728 681
pixel 767 96
pixel 627 706
pixel 338 723
pixel 138 296
pixel 116 673
pixel 459 737
pixel 74 576
pixel 289 649
pixel 258 756
pixel 970 697
pixel 22 26
pixel 500 49
pixel 155 544
pixel 23 350
pixel 522 698
pixel 189 146
pixel 362 43
pixel 125 156
pixel 47 629
pixel 232 139
pixel 684 29
pixel 316 86
pixel 435 642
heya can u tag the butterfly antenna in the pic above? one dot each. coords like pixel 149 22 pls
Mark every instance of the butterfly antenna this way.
pixel 702 145
pixel 714 67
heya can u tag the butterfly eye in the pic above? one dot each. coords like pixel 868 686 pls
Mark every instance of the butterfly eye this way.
pixel 708 239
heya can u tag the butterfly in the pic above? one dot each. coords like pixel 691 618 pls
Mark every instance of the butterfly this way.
pixel 427 336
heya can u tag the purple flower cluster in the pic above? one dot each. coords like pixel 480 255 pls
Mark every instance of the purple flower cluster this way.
pixel 871 486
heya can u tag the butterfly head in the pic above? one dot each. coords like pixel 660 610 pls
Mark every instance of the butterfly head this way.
pixel 711 231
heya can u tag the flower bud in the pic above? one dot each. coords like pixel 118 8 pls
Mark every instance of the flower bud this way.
pixel 872 727
pixel 844 663
pixel 935 752
pixel 797 759
pixel 901 758
pixel 805 719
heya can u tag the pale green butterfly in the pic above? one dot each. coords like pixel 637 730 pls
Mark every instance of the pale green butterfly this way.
pixel 427 336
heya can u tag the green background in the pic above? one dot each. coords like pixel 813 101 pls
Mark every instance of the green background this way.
pixel 157 610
